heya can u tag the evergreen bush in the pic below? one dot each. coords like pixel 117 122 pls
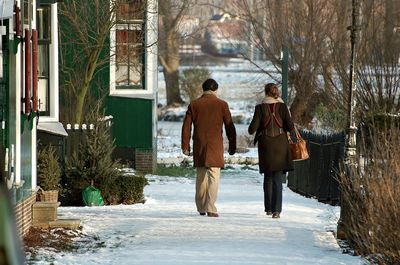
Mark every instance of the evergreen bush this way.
pixel 92 162
pixel 332 119
pixel 127 189
pixel 48 169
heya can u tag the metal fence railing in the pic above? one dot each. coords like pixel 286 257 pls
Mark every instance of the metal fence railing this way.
pixel 316 177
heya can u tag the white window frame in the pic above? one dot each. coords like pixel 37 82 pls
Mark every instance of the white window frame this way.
pixel 150 58
pixel 53 73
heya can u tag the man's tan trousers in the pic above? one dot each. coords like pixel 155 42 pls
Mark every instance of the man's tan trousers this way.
pixel 207 183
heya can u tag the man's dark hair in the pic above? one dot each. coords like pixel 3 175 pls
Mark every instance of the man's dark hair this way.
pixel 210 84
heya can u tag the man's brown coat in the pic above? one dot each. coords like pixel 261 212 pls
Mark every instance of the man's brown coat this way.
pixel 208 113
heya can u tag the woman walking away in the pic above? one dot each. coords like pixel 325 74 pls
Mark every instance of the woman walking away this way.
pixel 271 123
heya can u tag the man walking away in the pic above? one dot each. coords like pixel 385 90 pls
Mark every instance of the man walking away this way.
pixel 208 113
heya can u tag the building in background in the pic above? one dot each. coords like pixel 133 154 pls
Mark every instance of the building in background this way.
pixel 224 36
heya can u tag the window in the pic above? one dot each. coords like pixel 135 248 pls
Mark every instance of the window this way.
pixel 27 11
pixel 44 40
pixel 129 45
pixel 129 56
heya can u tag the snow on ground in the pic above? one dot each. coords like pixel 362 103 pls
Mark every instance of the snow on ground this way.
pixel 168 230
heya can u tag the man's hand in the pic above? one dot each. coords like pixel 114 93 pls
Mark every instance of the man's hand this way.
pixel 186 152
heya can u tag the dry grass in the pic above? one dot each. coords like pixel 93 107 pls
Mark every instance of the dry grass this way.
pixel 372 194
pixel 57 240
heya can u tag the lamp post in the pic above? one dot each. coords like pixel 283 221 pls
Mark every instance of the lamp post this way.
pixel 285 72
pixel 350 148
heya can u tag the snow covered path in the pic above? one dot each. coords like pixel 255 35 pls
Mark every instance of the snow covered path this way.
pixel 168 230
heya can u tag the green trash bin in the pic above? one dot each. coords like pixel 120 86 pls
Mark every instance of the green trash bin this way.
pixel 92 197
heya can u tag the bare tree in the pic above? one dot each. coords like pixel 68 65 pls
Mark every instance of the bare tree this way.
pixel 379 75
pixel 305 27
pixel 316 33
pixel 85 26
pixel 378 72
pixel 172 13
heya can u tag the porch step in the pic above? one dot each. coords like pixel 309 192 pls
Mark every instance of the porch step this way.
pixel 65 223
pixel 44 215
pixel 44 211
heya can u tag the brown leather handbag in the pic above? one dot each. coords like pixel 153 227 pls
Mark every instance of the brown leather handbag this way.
pixel 299 148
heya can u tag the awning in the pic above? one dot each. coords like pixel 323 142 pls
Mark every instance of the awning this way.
pixel 52 127
pixel 6 9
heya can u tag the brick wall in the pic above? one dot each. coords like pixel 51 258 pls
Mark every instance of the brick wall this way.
pixel 145 160
pixel 23 214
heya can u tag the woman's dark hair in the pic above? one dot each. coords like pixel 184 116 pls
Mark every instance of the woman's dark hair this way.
pixel 271 89
pixel 210 84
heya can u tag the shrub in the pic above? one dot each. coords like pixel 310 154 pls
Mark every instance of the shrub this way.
pixel 191 81
pixel 183 170
pixel 372 197
pixel 48 169
pixel 381 122
pixel 332 119
pixel 91 162
pixel 127 189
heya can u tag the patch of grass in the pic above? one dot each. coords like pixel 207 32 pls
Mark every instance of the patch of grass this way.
pixel 228 167
pixel 175 171
pixel 247 167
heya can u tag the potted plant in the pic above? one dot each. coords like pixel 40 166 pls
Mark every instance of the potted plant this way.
pixel 49 174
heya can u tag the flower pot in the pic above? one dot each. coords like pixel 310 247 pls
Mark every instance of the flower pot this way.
pixel 48 195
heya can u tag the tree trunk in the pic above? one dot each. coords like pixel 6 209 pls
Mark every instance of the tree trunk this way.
pixel 170 63
pixel 302 110
pixel 88 76
pixel 391 52
pixel 172 87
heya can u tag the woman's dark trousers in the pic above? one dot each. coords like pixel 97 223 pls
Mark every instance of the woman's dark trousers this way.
pixel 273 191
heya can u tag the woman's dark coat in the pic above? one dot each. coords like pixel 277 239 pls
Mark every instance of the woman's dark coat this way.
pixel 273 151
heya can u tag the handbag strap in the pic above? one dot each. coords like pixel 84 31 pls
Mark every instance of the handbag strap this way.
pixel 298 135
pixel 289 138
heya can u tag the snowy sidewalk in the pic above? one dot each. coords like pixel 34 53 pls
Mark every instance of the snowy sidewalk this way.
pixel 168 230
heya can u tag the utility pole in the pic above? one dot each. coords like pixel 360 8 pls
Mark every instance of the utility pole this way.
pixel 350 148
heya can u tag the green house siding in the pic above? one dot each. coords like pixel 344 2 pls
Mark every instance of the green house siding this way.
pixel 132 109
pixel 132 121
